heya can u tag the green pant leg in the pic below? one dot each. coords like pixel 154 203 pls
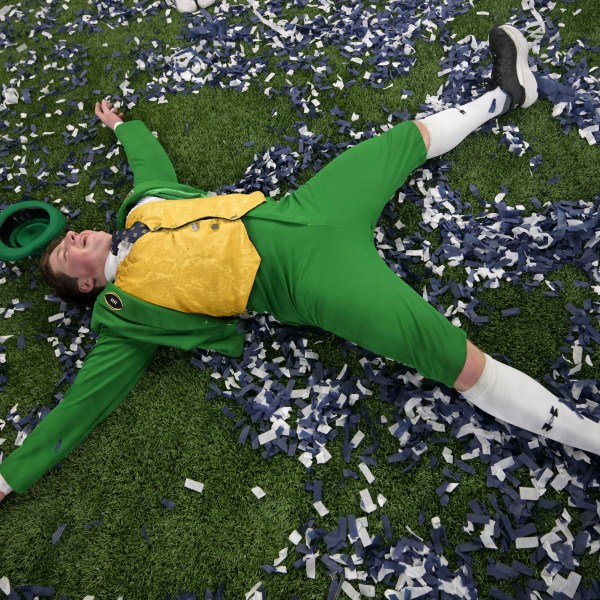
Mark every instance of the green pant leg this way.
pixel 355 295
pixel 335 279
pixel 108 373
pixel 353 188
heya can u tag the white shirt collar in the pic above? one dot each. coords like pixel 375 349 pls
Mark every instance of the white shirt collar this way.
pixel 113 261
pixel 110 267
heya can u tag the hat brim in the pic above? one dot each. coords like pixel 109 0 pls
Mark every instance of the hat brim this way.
pixel 26 229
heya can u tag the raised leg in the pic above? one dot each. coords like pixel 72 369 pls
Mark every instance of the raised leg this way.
pixel 511 85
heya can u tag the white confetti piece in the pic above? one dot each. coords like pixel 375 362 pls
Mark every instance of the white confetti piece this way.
pixel 366 502
pixel 560 482
pixel 528 493
pixel 321 509
pixel 413 533
pixel 364 469
pixel 572 584
pixel 195 486
pixel 5 585
pixel 258 492
pixel 295 537
pixel 368 591
pixel 251 595
pixel 487 541
pixel 350 591
pixel 282 556
pixel 359 436
pixel 311 566
pixel 11 96
pixel 447 454
pixel 527 542
pixel 323 456
pixel 565 586
pixel 364 537
pixel 268 436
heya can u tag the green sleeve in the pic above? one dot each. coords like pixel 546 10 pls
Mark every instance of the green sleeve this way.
pixel 161 326
pixel 147 158
pixel 108 373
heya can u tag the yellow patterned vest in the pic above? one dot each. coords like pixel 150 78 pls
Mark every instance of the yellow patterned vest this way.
pixel 197 256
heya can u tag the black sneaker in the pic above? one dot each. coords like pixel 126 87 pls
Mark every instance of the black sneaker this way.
pixel 511 71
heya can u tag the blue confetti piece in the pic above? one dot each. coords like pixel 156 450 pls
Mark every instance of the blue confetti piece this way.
pixel 92 524
pixel 499 594
pixel 145 535
pixel 57 534
pixel 217 595
pixel 30 591
pixel 168 503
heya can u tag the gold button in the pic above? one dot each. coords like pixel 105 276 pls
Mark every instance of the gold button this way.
pixel 214 226
pixel 194 226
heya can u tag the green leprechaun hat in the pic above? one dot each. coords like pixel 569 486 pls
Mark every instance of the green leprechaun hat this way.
pixel 27 227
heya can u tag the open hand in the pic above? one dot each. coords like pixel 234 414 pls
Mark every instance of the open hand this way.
pixel 107 114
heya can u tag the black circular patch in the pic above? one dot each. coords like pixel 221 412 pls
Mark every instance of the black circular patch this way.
pixel 113 301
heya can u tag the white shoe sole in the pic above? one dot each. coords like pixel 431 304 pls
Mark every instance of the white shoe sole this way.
pixel 526 77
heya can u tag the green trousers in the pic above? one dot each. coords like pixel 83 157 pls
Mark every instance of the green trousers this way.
pixel 328 272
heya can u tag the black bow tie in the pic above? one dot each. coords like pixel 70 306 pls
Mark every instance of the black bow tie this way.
pixel 133 233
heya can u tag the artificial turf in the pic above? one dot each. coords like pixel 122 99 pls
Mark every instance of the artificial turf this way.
pixel 167 430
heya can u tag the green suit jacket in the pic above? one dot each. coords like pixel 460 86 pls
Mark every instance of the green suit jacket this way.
pixel 128 337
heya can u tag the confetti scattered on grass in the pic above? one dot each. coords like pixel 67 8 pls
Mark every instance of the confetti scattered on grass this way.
pixel 500 243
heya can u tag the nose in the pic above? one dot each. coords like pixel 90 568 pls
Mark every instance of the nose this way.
pixel 71 238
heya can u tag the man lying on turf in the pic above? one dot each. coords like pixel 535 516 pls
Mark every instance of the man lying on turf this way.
pixel 308 259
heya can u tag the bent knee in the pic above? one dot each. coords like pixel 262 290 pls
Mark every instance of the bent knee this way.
pixel 471 372
pixel 424 133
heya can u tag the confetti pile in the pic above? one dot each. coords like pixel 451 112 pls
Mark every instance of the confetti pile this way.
pixel 291 402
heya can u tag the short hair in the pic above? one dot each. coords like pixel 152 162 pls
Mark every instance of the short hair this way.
pixel 66 287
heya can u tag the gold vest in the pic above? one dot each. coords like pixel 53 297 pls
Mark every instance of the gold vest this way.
pixel 197 256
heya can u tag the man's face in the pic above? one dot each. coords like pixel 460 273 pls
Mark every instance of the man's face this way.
pixel 82 256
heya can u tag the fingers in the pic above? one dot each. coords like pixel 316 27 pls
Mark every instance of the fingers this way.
pixel 108 114
pixel 106 107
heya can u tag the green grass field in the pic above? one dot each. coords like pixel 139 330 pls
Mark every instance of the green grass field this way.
pixel 166 430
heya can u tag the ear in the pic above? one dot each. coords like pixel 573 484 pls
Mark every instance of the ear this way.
pixel 85 285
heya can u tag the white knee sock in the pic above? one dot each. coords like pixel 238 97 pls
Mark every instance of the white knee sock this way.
pixel 516 398
pixel 450 127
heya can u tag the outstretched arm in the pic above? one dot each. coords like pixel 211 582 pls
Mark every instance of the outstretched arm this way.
pixel 147 158
pixel 112 368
